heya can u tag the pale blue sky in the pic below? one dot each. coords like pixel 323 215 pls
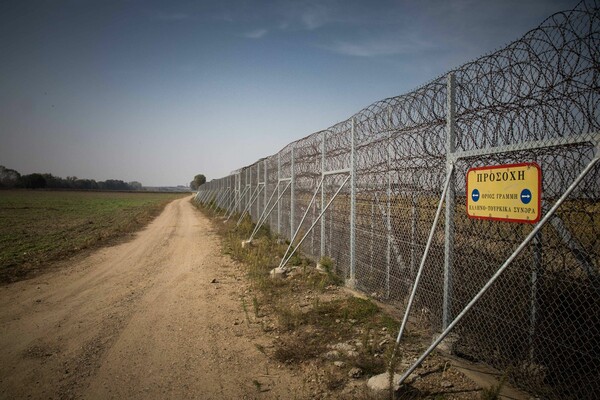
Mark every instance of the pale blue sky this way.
pixel 157 91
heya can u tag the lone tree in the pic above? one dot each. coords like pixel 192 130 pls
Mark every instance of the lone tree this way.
pixel 198 181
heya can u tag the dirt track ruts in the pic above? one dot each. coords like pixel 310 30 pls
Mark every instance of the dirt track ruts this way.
pixel 141 319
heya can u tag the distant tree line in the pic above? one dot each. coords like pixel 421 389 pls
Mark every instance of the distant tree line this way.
pixel 9 178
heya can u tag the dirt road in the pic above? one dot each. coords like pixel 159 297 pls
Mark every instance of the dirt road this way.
pixel 142 319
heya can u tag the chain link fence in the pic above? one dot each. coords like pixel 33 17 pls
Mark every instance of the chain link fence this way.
pixel 535 101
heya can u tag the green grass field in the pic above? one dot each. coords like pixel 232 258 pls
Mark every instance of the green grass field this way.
pixel 38 227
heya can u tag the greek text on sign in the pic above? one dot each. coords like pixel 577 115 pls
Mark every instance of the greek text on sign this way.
pixel 505 192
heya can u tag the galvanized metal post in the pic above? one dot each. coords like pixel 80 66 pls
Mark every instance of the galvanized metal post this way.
pixel 257 184
pixel 238 197
pixel 292 195
pixel 323 220
pixel 249 186
pixel 250 192
pixel 265 180
pixel 234 194
pixel 449 226
pixel 312 235
pixel 263 188
pixel 231 193
pixel 331 214
pixel 278 193
pixel 372 247
pixel 352 281
pixel 247 190
pixel 388 251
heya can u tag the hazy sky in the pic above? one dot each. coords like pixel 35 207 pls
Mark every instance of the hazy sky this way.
pixel 157 91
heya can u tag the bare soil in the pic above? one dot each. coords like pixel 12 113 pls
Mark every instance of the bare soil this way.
pixel 157 317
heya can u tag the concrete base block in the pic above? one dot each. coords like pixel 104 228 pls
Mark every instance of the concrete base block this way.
pixel 278 273
pixel 381 382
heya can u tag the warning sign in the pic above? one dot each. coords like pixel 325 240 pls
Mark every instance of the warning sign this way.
pixel 505 192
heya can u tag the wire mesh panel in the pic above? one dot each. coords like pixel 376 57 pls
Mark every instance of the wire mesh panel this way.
pixel 272 185
pixel 307 175
pixel 285 206
pixel 337 222
pixel 535 101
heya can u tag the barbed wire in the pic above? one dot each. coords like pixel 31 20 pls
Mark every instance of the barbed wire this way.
pixel 535 100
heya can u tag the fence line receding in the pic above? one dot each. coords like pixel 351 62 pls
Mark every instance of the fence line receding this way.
pixel 535 101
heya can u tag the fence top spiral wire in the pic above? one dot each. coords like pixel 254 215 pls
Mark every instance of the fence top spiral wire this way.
pixel 541 86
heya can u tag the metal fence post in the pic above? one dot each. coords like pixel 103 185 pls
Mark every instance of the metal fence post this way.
pixel 388 250
pixel 322 252
pixel 292 195
pixel 249 184
pixel 278 193
pixel 257 184
pixel 249 192
pixel 266 187
pixel 449 226
pixel 413 232
pixel 239 191
pixel 231 193
pixel 352 281
pixel 372 246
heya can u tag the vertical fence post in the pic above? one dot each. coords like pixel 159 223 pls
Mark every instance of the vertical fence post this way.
pixel 449 226
pixel 257 185
pixel 292 195
pixel 236 193
pixel 258 171
pixel 265 189
pixel 352 280
pixel 312 234
pixel 323 220
pixel 278 193
pixel 238 196
pixel 388 250
pixel 233 194
pixel 244 192
pixel 372 247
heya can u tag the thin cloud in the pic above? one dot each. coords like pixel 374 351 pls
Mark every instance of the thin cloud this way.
pixel 375 48
pixel 315 17
pixel 307 16
pixel 256 34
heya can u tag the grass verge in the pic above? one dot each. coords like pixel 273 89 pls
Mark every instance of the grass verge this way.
pixel 312 319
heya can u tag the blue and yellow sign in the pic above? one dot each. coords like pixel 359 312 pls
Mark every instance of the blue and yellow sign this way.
pixel 505 192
